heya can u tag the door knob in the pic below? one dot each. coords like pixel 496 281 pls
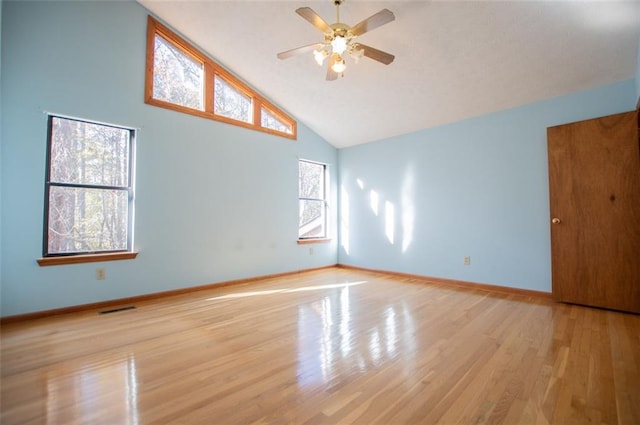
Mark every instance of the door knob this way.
pixel 555 220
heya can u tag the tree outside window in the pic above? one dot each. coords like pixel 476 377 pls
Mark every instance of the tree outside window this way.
pixel 182 78
pixel 88 188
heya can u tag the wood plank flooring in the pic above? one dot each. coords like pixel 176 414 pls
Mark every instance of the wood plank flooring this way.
pixel 333 346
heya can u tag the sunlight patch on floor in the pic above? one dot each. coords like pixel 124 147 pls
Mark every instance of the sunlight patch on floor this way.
pixel 285 290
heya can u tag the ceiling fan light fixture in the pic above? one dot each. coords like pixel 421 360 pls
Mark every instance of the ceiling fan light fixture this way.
pixel 338 65
pixel 356 54
pixel 319 56
pixel 339 44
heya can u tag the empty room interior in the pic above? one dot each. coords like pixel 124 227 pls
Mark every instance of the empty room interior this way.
pixel 320 212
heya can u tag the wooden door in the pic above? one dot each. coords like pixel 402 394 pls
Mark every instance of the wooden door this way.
pixel 594 185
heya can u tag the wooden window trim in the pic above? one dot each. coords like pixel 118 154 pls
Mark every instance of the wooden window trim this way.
pixel 85 258
pixel 211 69
pixel 240 87
pixel 278 114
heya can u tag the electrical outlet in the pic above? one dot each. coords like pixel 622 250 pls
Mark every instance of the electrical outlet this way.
pixel 467 261
pixel 310 251
pixel 101 274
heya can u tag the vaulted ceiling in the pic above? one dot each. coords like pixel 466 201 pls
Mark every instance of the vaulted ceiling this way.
pixel 453 60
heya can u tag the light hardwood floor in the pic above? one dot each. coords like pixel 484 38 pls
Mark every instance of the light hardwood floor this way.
pixel 333 346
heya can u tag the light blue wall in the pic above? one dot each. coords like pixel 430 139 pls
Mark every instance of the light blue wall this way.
pixel 475 188
pixel 214 202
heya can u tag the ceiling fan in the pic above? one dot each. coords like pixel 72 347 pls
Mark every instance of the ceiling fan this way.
pixel 339 39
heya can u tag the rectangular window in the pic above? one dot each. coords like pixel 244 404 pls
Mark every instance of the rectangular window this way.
pixel 181 78
pixel 177 77
pixel 88 188
pixel 312 195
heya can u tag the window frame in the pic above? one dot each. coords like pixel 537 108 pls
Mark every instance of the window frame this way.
pixel 241 91
pixel 325 203
pixel 276 115
pixel 56 258
pixel 187 50
pixel 211 69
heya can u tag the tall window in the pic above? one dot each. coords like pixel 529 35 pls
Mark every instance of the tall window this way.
pixel 88 188
pixel 181 78
pixel 312 195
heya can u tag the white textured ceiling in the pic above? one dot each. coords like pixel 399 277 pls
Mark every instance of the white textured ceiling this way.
pixel 454 60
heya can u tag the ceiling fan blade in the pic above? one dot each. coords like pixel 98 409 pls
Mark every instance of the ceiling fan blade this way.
pixel 376 55
pixel 298 50
pixel 315 19
pixel 331 74
pixel 372 22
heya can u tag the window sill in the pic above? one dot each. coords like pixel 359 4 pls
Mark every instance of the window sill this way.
pixel 315 240
pixel 87 258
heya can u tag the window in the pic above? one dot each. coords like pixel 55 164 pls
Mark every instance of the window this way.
pixel 181 78
pixel 230 102
pixel 88 188
pixel 312 195
pixel 270 120
pixel 178 77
